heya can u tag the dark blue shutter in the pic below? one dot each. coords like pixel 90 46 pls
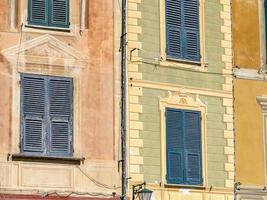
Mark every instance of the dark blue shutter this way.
pixel 191 29
pixel 60 116
pixel 182 29
pixel 38 12
pixel 173 28
pixel 59 13
pixel 192 123
pixel 33 113
pixel 174 146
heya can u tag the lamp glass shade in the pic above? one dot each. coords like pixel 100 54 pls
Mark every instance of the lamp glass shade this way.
pixel 144 194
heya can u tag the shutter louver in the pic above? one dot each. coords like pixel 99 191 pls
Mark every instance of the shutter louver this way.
pixel 60 13
pixel 191 29
pixel 33 111
pixel 182 29
pixel 173 25
pixel 174 144
pixel 193 148
pixel 38 12
pixel 60 113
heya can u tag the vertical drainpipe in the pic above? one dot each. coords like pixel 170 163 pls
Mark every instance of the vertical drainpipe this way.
pixel 123 100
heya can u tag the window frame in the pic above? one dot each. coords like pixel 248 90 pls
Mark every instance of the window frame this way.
pixel 47 124
pixel 73 21
pixel 183 101
pixel 49 11
pixel 201 65
pixel 185 180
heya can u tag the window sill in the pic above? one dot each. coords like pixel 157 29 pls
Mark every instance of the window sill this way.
pixel 47 159
pixel 190 65
pixel 198 187
pixel 49 30
pixel 184 61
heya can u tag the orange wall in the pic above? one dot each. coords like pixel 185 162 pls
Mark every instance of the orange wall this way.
pixel 246 33
pixel 249 132
pixel 97 79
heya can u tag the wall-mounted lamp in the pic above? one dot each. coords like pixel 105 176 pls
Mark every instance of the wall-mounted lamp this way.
pixel 141 192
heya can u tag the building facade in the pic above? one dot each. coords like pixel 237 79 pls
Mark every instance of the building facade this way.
pixel 249 47
pixel 180 98
pixel 57 75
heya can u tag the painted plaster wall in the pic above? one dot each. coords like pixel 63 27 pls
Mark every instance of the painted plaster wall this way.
pixel 246 41
pixel 150 39
pixel 96 104
pixel 151 138
pixel 149 80
pixel 249 132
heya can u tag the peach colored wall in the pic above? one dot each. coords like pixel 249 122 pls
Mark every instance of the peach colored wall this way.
pixel 3 15
pixel 97 93
pixel 245 26
pixel 249 132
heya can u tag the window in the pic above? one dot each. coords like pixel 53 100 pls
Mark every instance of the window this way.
pixel 49 13
pixel 183 147
pixel 46 115
pixel 182 30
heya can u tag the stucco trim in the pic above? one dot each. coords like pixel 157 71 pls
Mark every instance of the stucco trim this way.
pixel 262 100
pixel 182 100
pixel 175 87
pixel 250 74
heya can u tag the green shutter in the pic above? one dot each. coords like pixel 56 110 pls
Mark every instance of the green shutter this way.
pixel 33 114
pixel 60 116
pixel 38 12
pixel 182 29
pixel 50 13
pixel 59 12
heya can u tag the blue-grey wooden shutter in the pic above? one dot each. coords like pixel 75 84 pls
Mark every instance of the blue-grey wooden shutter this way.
pixel 192 125
pixel 38 12
pixel 59 13
pixel 174 28
pixel 191 29
pixel 60 116
pixel 182 29
pixel 33 114
pixel 174 146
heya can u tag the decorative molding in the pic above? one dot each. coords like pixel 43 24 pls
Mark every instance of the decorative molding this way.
pixel 251 74
pixel 182 99
pixel 262 100
pixel 175 87
pixel 46 50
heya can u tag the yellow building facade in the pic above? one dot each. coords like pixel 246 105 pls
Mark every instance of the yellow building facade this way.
pixel 250 94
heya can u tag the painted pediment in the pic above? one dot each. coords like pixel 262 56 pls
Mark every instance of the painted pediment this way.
pixel 45 49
